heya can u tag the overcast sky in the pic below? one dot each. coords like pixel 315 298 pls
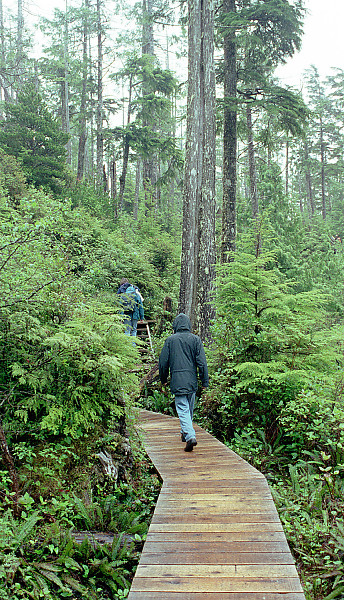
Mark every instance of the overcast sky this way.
pixel 322 44
pixel 323 40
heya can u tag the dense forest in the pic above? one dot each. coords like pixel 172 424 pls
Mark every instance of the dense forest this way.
pixel 153 141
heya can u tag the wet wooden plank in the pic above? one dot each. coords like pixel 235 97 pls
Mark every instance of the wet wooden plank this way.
pixel 217 558
pixel 214 596
pixel 198 546
pixel 215 533
pixel 216 584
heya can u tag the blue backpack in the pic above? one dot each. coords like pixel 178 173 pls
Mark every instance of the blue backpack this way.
pixel 129 299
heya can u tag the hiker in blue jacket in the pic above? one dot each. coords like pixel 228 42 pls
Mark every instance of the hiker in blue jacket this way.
pixel 183 355
pixel 132 306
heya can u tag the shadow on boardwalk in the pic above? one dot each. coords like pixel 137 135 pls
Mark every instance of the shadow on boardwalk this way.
pixel 215 533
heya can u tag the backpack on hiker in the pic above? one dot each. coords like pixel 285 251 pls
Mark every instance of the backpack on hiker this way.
pixel 129 299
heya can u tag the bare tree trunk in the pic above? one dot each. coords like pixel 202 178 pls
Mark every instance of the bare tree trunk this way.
pixel 92 135
pixel 125 150
pixel 252 165
pixel 99 115
pixel 3 79
pixel 322 157
pixel 309 182
pixel 113 188
pixel 148 163
pixel 207 250
pixel 300 197
pixel 198 239
pixel 66 80
pixel 229 141
pixel 82 117
pixel 137 189
pixel 287 167
pixel 193 166
pixel 20 45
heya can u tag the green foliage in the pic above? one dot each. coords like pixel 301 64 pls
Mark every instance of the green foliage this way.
pixel 158 401
pixel 38 559
pixel 31 134
pixel 271 342
pixel 310 507
pixel 64 353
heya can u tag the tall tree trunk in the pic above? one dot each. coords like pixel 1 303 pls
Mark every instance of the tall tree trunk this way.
pixel 207 250
pixel 113 188
pixel 137 189
pixel 322 158
pixel 287 167
pixel 229 140
pixel 149 169
pixel 65 107
pixel 3 79
pixel 309 181
pixel 20 44
pixel 198 239
pixel 193 166
pixel 99 114
pixel 300 196
pixel 82 116
pixel 125 150
pixel 252 164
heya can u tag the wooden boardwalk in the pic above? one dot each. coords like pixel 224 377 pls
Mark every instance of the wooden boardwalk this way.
pixel 215 533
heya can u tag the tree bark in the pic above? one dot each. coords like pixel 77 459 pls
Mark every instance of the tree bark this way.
pixel 287 168
pixel 82 117
pixel 149 168
pixel 3 79
pixel 252 164
pixel 113 188
pixel 66 83
pixel 198 238
pixel 322 158
pixel 99 114
pixel 20 45
pixel 229 141
pixel 207 250
pixel 193 166
pixel 125 151
pixel 309 182
pixel 137 189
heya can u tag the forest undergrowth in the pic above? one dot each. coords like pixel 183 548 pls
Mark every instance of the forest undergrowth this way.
pixel 69 383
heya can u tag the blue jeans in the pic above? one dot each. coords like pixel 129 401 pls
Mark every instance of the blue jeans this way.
pixel 185 408
pixel 130 325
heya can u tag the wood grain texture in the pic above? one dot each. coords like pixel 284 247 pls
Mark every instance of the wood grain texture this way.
pixel 215 533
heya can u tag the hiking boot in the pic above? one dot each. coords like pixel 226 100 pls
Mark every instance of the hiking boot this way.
pixel 182 437
pixel 190 445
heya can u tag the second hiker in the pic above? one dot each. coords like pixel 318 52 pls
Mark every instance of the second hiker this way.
pixel 131 303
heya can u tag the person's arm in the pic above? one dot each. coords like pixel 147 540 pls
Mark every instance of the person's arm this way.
pixel 201 362
pixel 141 311
pixel 164 363
pixel 138 300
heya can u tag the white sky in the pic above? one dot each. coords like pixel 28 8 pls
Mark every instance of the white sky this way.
pixel 323 40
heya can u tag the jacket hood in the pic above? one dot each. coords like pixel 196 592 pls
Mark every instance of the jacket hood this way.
pixel 181 323
pixel 123 287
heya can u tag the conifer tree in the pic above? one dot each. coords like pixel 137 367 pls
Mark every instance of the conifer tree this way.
pixel 31 134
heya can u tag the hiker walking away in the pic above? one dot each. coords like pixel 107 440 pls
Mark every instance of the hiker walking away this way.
pixel 131 302
pixel 183 355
